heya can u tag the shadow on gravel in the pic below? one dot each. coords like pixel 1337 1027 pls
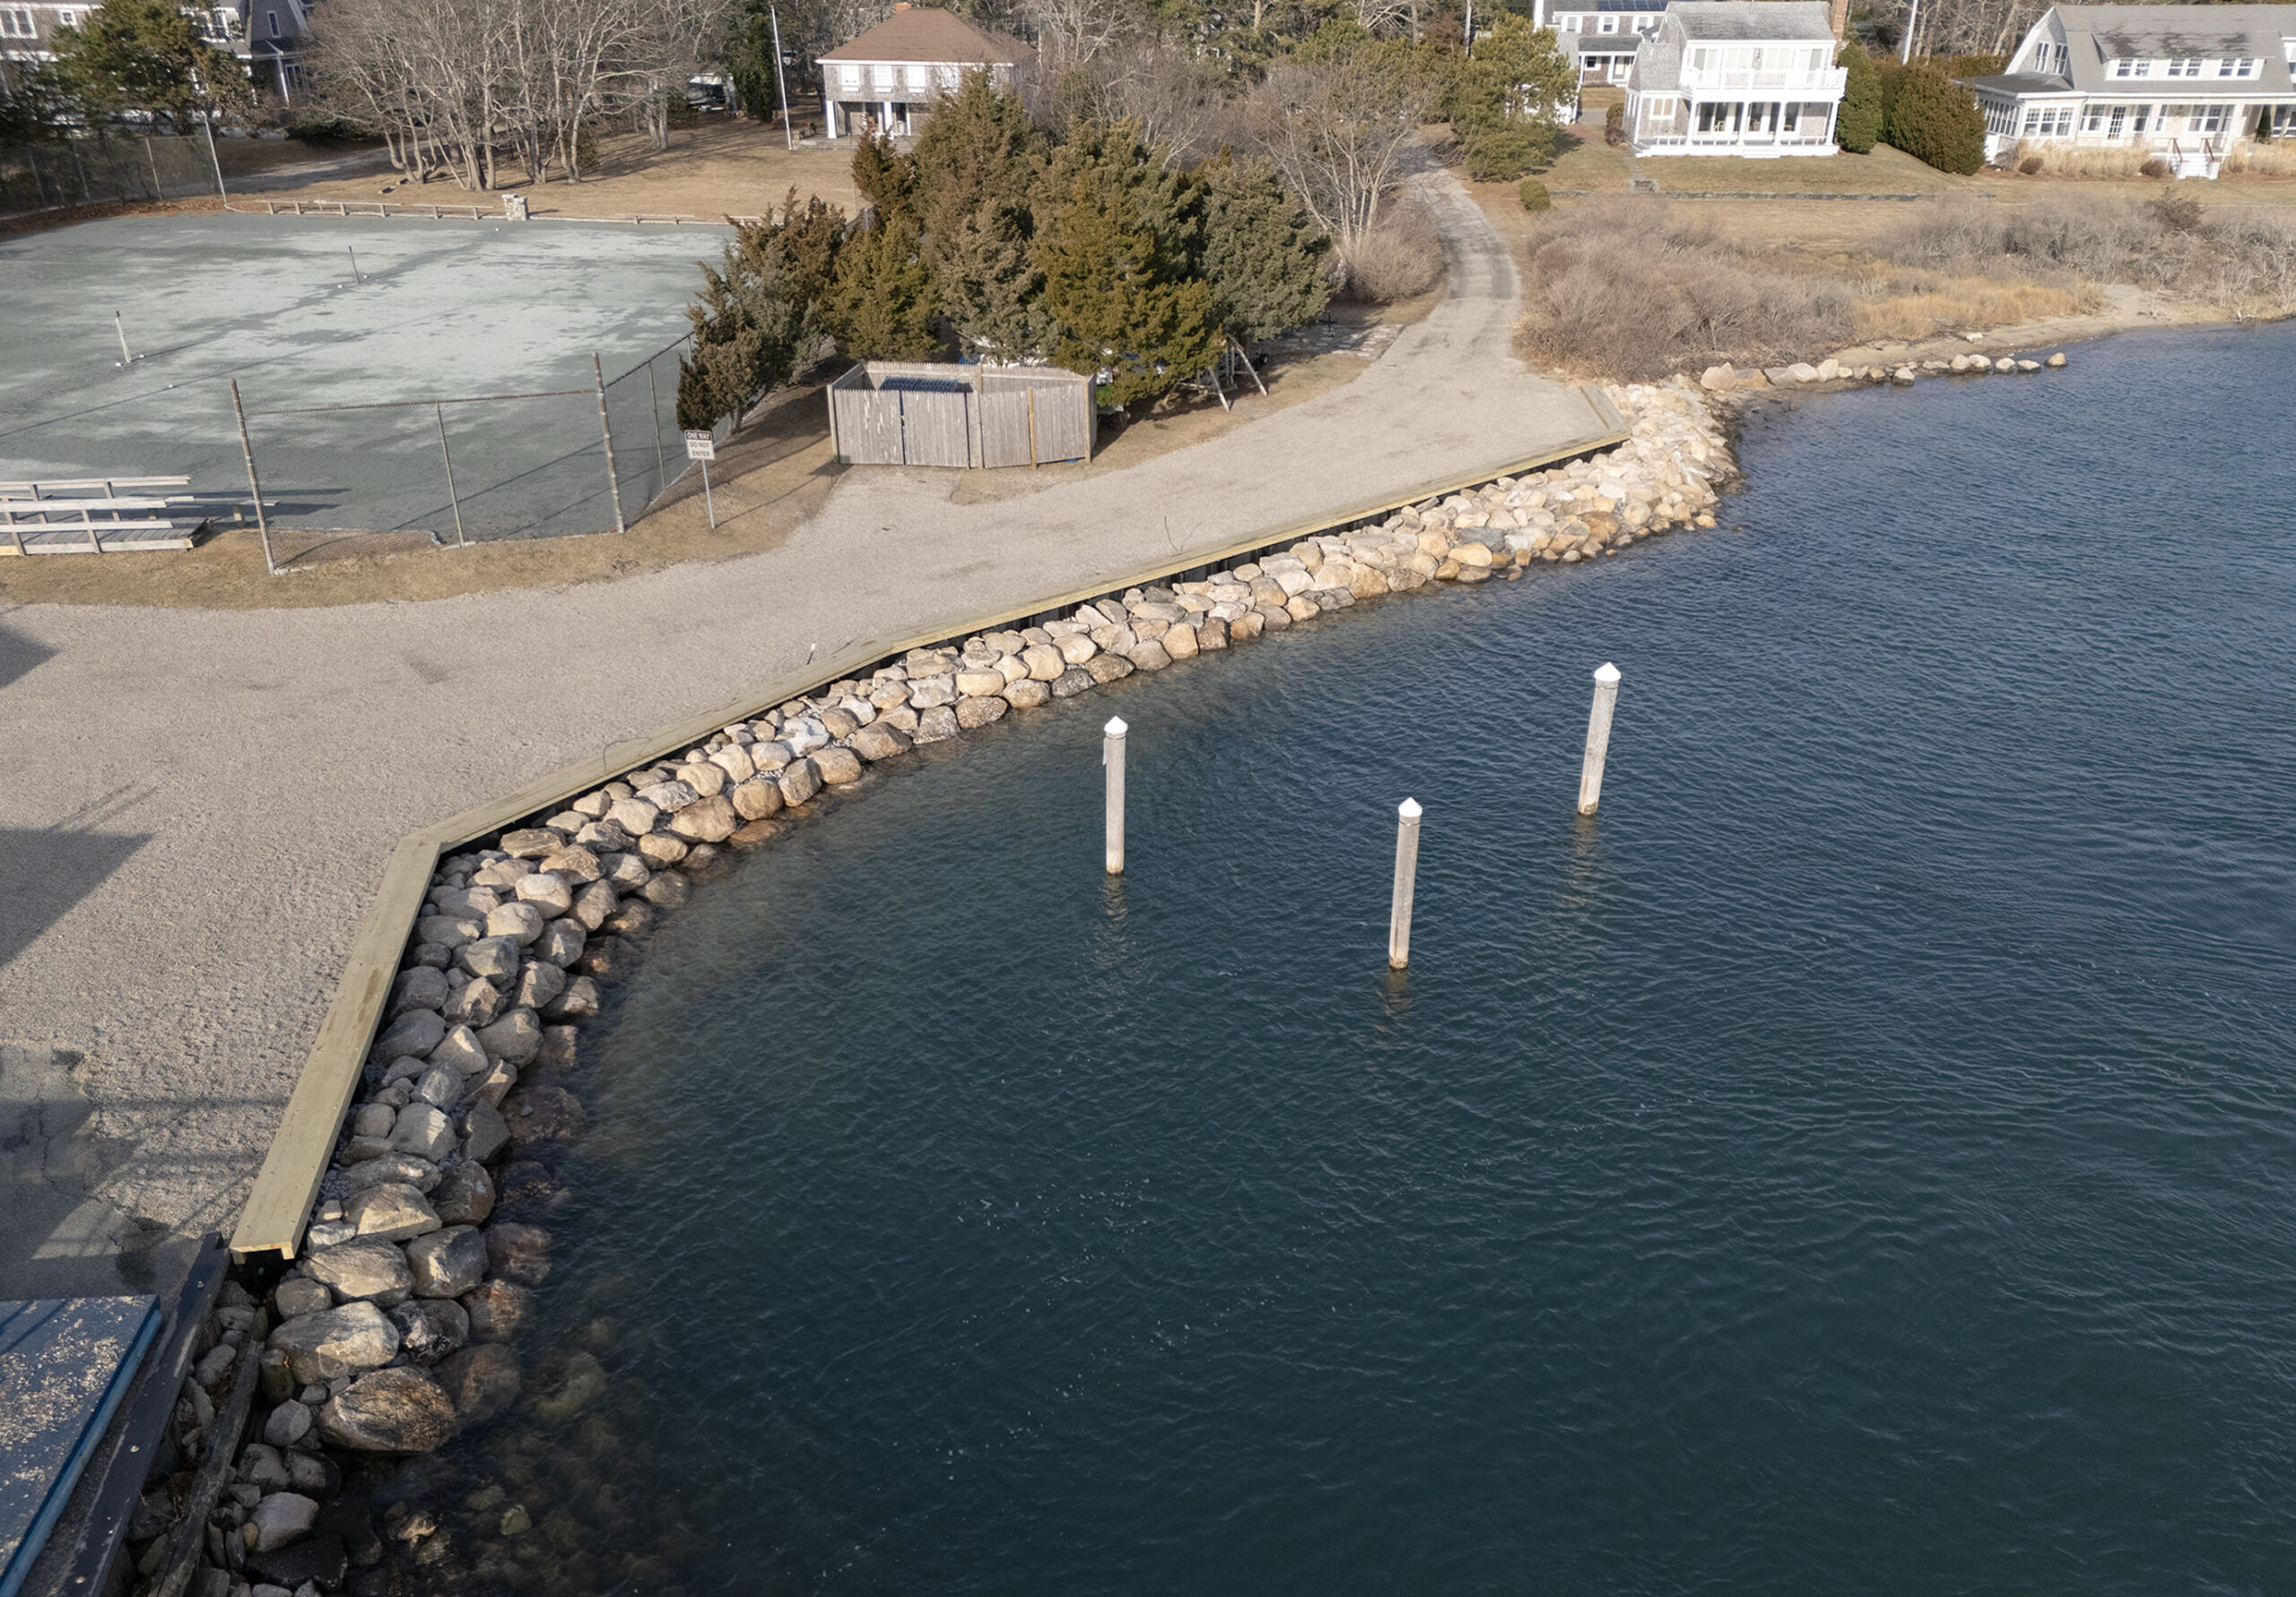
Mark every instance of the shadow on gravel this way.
pixel 44 873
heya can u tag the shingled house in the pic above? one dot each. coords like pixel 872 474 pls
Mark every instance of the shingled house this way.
pixel 1735 77
pixel 2185 83
pixel 885 81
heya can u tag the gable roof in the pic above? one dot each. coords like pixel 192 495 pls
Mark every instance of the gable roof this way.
pixel 2095 36
pixel 928 33
pixel 1752 19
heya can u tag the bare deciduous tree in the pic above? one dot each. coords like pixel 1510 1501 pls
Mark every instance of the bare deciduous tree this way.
pixel 1335 124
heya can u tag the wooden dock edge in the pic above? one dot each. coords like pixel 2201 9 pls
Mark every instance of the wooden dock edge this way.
pixel 280 1203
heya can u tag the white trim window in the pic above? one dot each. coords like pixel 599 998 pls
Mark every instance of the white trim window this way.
pixel 1609 24
pixel 17 22
pixel 67 19
pixel 2049 122
pixel 2243 67
pixel 849 74
pixel 920 75
pixel 2204 118
pixel 2128 67
pixel 2184 67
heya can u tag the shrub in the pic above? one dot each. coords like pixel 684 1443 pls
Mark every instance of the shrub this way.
pixel 2155 166
pixel 1937 122
pixel 325 130
pixel 1614 126
pixel 1401 255
pixel 2030 164
pixel 1503 151
pixel 1858 127
pixel 1534 195
pixel 2177 213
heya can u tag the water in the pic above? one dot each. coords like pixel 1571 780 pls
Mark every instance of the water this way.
pixel 1861 1160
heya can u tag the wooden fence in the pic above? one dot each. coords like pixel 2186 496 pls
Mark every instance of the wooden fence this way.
pixel 895 413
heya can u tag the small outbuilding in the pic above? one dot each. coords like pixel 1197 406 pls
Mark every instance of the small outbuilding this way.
pixel 885 80
pixel 904 413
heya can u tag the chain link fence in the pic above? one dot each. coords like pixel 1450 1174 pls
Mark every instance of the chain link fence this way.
pixel 39 176
pixel 470 468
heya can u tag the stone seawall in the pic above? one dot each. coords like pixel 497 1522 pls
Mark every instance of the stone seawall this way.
pixel 397 1328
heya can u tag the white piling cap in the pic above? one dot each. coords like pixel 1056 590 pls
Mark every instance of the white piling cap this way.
pixel 1409 809
pixel 1606 673
pixel 1116 726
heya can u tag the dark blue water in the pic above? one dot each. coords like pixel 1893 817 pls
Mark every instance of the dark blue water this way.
pixel 1862 1159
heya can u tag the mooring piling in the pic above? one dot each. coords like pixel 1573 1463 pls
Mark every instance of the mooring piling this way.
pixel 1112 757
pixel 120 327
pixel 1598 738
pixel 1407 815
pixel 355 279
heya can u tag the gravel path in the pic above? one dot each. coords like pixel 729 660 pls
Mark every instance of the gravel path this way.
pixel 198 802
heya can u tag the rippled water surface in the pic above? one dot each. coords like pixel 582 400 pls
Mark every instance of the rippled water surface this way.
pixel 1860 1160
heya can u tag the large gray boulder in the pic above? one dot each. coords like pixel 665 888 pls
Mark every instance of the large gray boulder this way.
pixel 447 1263
pixel 516 1038
pixel 391 1211
pixel 431 1328
pixel 494 958
pixel 516 1253
pixel 415 1033
pixel 336 1342
pixel 389 1411
pixel 365 1269
pixel 712 820
pixel 424 1130
pixel 483 1381
pixel 521 922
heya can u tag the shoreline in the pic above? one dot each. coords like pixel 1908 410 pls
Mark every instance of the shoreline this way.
pixel 394 1330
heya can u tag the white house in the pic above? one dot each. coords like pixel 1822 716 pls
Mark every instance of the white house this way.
pixel 1735 77
pixel 888 77
pixel 2186 82
pixel 267 36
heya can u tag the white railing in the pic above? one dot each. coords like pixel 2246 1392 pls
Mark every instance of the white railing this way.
pixel 1828 81
pixel 1728 140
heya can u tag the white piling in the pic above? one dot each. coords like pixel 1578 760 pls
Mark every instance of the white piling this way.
pixel 1598 738
pixel 120 327
pixel 1407 877
pixel 1112 757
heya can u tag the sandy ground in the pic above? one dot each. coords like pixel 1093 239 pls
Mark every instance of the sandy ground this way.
pixel 197 801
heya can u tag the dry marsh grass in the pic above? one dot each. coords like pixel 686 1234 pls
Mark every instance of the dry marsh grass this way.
pixel 1630 289
pixel 1919 308
pixel 2242 266
pixel 2274 159
pixel 2077 160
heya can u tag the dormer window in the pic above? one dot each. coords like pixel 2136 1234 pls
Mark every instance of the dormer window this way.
pixel 2126 68
pixel 2184 67
pixel 2244 67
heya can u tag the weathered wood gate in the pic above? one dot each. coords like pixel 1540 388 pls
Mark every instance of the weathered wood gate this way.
pixel 895 413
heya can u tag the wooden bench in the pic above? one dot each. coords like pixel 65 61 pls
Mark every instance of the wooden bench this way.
pixel 30 512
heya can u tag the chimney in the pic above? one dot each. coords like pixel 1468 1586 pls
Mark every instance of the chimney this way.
pixel 1840 19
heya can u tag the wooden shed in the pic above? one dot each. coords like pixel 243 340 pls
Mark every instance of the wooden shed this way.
pixel 899 413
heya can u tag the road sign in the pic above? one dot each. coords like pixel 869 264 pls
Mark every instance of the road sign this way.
pixel 700 445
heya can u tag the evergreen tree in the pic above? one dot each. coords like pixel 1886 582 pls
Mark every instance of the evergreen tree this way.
pixel 882 305
pixel 761 317
pixel 1858 127
pixel 886 177
pixel 975 167
pixel 147 56
pixel 1110 157
pixel 1261 256
pixel 991 292
pixel 1116 301
pixel 1937 121
pixel 1502 100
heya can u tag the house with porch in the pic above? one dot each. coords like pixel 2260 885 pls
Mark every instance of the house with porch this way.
pixel 2188 83
pixel 1600 39
pixel 1736 77
pixel 886 79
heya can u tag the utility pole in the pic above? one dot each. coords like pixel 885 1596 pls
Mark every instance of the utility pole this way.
pixel 1905 45
pixel 781 82
pixel 1467 38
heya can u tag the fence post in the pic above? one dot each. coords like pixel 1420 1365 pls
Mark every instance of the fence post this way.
pixel 149 155
pixel 247 451
pixel 605 430
pixel 453 497
pixel 661 466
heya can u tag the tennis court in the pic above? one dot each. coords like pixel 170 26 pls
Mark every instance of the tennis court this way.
pixel 314 315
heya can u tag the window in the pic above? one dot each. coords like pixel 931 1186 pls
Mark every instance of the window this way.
pixel 2138 114
pixel 2205 118
pixel 2117 121
pixel 1659 107
pixel 1609 25
pixel 16 24
pixel 1700 60
pixel 271 23
pixel 2185 66
pixel 2093 120
pixel 2245 67
pixel 848 76
pixel 2126 68
pixel 1817 61
pixel 920 76
pixel 2283 121
pixel 67 19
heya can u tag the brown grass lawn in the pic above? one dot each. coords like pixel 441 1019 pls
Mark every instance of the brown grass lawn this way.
pixel 719 167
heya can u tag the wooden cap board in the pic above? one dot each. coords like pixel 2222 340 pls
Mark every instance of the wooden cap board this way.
pixel 65 1364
